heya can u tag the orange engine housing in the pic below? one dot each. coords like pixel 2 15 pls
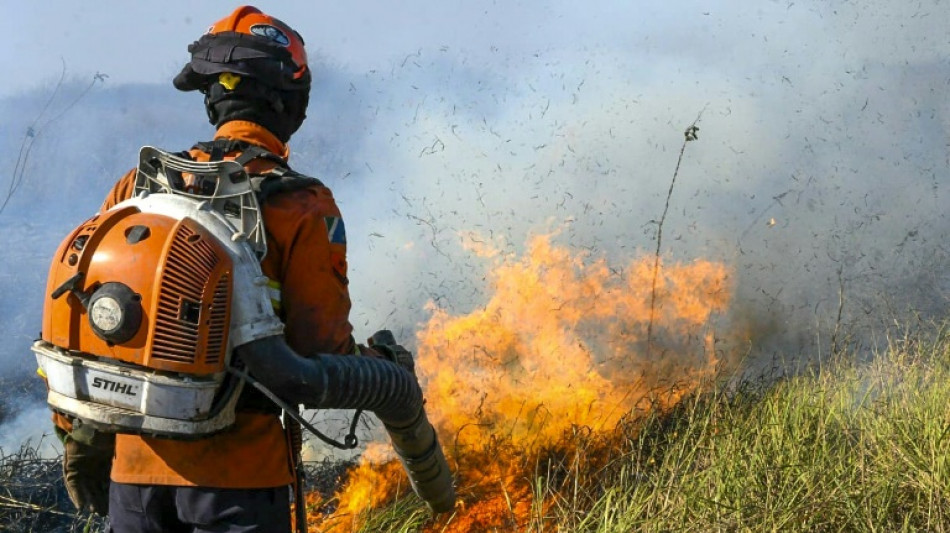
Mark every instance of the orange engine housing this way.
pixel 178 272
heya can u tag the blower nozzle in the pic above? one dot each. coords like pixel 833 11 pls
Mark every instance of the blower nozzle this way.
pixel 387 389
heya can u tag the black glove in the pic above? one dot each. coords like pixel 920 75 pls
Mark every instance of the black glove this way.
pixel 385 343
pixel 87 465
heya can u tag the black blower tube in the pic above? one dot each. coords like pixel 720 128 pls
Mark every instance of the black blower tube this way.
pixel 387 389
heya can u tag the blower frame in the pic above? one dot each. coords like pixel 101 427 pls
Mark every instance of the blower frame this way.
pixel 168 377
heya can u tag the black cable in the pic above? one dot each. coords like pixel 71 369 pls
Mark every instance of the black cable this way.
pixel 350 441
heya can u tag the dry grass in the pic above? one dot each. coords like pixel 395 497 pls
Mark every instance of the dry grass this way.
pixel 33 498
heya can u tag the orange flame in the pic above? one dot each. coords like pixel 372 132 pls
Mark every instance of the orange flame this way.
pixel 374 481
pixel 561 343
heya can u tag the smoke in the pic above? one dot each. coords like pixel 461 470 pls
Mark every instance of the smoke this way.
pixel 821 187
pixel 818 173
pixel 24 431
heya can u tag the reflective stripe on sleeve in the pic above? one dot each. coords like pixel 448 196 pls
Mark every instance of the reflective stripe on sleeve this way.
pixel 273 290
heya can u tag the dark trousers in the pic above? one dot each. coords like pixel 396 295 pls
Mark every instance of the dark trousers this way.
pixel 165 509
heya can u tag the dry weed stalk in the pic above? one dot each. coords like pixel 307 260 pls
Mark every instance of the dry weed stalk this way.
pixel 691 134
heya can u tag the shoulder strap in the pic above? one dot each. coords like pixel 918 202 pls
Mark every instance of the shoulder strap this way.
pixel 217 148
pixel 278 180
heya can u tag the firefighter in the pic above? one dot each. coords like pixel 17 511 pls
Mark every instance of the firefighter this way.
pixel 252 70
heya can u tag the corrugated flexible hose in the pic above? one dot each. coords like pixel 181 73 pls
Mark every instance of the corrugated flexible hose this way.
pixel 387 389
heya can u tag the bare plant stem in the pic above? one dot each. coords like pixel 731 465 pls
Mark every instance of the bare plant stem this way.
pixel 834 335
pixel 689 135
pixel 16 504
pixel 35 129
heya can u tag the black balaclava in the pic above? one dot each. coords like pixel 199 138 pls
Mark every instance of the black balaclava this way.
pixel 281 112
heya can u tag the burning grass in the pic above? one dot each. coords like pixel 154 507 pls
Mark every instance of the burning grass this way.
pixel 847 446
pixel 559 412
pixel 549 377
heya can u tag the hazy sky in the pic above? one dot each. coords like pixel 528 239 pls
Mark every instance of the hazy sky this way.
pixel 145 41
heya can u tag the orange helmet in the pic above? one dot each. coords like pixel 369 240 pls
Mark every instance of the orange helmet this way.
pixel 251 44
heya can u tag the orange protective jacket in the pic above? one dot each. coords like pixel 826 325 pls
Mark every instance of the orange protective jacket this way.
pixel 306 256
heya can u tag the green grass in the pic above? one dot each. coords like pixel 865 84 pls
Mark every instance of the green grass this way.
pixel 849 446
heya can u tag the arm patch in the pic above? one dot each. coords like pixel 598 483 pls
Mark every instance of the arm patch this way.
pixel 336 233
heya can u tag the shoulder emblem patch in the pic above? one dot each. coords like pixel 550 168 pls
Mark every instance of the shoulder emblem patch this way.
pixel 336 233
